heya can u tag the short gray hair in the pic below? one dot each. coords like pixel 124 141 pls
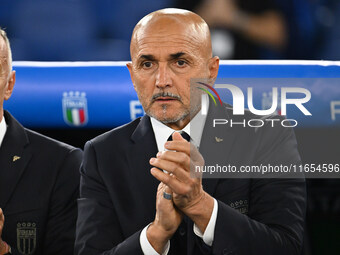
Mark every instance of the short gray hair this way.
pixel 4 36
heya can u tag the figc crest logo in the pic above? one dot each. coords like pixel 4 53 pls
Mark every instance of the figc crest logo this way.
pixel 75 108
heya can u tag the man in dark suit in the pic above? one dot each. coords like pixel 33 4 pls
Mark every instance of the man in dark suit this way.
pixel 123 209
pixel 39 181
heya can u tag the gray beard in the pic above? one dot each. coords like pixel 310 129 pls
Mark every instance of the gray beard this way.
pixel 177 118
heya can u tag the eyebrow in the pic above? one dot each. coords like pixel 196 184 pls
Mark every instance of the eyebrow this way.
pixel 173 56
pixel 176 55
pixel 147 57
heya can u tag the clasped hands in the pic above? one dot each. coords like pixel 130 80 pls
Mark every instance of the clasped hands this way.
pixel 188 196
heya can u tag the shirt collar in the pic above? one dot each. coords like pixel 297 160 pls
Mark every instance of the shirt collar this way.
pixel 3 128
pixel 162 131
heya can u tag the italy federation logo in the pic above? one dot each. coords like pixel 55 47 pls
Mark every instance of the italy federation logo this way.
pixel 26 237
pixel 75 108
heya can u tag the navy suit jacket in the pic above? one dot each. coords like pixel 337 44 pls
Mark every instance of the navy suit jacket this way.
pixel 255 216
pixel 39 187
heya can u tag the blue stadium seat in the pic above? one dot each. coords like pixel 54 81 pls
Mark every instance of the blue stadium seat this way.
pixel 68 30
pixel 52 30
pixel 330 49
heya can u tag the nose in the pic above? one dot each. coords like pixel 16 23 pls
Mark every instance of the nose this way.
pixel 163 77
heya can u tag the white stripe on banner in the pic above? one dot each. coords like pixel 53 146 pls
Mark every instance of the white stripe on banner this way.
pixel 222 62
pixel 75 117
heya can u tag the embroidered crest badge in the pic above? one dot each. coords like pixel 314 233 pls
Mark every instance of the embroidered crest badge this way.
pixel 26 237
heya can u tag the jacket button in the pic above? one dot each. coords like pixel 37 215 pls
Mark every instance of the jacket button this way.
pixel 182 231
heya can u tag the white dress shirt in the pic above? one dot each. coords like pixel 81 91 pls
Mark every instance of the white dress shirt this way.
pixel 162 133
pixel 3 128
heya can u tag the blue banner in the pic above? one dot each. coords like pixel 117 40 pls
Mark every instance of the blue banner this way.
pixel 101 95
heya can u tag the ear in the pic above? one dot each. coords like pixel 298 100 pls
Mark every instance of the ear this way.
pixel 129 66
pixel 10 85
pixel 214 64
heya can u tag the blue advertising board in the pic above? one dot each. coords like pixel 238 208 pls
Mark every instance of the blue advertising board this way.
pixel 101 94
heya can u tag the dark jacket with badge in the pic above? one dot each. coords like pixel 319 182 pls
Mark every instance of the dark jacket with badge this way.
pixel 39 181
pixel 255 216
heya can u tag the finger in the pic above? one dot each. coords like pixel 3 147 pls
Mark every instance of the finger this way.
pixel 2 216
pixel 176 136
pixel 2 221
pixel 178 139
pixel 185 147
pixel 171 167
pixel 174 156
pixel 178 145
pixel 160 187
pixel 167 192
pixel 174 184
pixel 167 189
pixel 163 188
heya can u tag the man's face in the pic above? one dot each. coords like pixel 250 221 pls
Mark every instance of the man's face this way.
pixel 7 78
pixel 165 56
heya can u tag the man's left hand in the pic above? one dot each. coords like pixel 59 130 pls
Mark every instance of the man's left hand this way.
pixel 188 193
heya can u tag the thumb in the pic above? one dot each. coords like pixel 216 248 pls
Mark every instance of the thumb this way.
pixel 176 136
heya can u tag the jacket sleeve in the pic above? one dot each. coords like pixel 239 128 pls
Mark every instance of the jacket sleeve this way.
pixel 98 227
pixel 62 217
pixel 275 220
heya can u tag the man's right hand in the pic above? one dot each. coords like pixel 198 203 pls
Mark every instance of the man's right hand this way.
pixel 4 248
pixel 167 220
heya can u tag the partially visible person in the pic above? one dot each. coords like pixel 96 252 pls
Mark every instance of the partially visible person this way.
pixel 39 181
pixel 240 29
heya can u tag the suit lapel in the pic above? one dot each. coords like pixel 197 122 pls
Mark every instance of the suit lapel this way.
pixel 13 158
pixel 144 147
pixel 216 143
